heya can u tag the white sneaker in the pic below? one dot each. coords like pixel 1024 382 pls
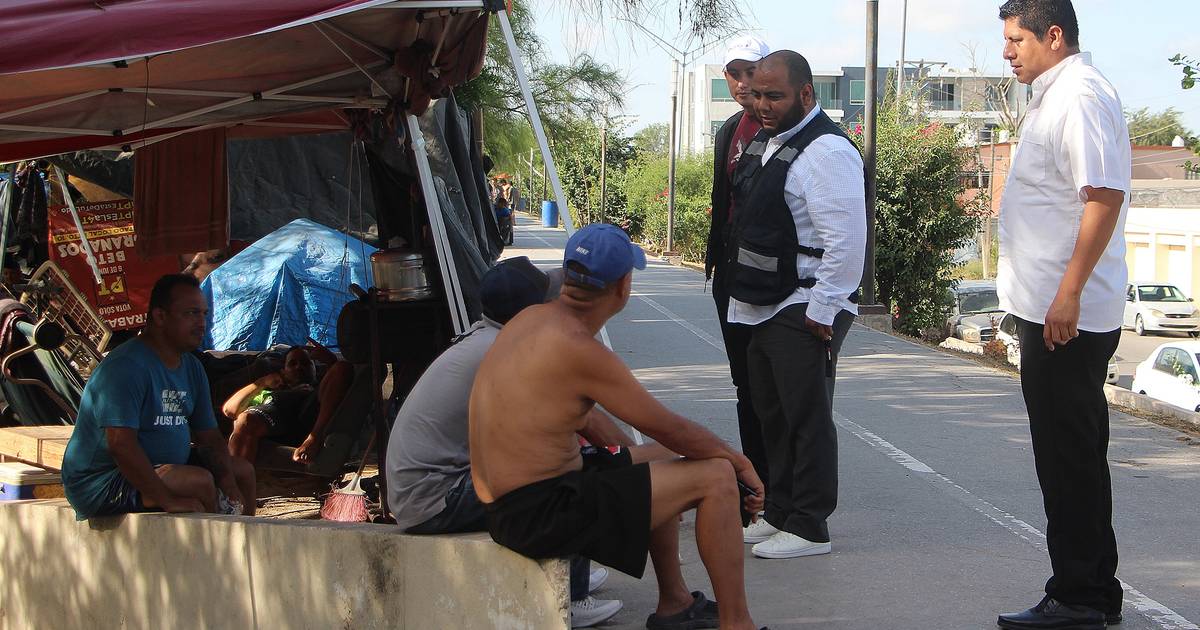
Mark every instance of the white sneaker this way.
pixel 788 545
pixel 758 531
pixel 590 611
pixel 596 579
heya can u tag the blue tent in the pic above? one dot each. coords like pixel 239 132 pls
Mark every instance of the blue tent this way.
pixel 289 285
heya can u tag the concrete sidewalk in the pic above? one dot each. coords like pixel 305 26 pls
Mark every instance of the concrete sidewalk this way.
pixel 940 521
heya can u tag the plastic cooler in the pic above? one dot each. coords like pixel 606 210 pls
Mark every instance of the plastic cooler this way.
pixel 21 481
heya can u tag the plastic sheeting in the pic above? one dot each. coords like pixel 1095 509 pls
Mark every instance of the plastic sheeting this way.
pixel 289 285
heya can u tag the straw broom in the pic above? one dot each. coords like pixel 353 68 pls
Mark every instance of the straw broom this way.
pixel 348 504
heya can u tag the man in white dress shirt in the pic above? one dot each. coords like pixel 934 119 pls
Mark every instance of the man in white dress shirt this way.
pixel 793 267
pixel 1062 274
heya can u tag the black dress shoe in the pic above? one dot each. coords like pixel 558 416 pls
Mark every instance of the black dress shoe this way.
pixel 1051 613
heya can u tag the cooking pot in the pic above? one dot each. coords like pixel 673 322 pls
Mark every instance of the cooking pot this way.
pixel 400 275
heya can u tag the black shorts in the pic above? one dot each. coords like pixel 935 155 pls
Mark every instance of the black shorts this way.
pixel 289 414
pixel 601 512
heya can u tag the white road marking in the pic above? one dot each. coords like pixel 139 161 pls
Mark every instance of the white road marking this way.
pixel 704 336
pixel 1162 616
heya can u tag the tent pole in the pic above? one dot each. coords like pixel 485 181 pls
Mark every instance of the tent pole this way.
pixel 458 309
pixel 54 103
pixel 83 241
pixel 6 191
pixel 536 120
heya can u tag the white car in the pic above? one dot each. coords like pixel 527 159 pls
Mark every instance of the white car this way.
pixel 1159 307
pixel 1007 334
pixel 1170 375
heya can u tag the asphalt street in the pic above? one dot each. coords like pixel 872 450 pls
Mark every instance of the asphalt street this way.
pixel 940 522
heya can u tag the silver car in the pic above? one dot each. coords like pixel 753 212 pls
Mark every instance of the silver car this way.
pixel 1159 307
pixel 974 311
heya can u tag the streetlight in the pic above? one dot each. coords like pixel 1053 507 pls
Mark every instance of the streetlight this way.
pixel 680 60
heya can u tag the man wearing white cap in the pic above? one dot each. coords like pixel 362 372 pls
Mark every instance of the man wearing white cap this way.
pixel 731 140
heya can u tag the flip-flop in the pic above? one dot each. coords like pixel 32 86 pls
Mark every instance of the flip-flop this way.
pixel 701 614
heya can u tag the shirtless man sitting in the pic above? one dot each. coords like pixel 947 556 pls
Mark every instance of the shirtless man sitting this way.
pixel 543 498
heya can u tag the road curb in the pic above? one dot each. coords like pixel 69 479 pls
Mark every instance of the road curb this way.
pixel 1148 405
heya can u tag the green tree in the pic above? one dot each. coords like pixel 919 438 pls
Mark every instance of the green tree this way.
pixel 578 159
pixel 1191 69
pixel 653 139
pixel 1148 128
pixel 582 88
pixel 648 200
pixel 701 17
pixel 921 215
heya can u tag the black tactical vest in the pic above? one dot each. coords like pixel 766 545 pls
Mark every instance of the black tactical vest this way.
pixel 761 258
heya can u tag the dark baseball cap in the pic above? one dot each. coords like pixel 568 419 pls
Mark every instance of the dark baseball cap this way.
pixel 513 285
pixel 605 251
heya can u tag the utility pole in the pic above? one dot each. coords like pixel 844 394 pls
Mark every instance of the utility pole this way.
pixel 869 146
pixel 603 167
pixel 903 39
pixel 531 179
pixel 987 221
pixel 674 148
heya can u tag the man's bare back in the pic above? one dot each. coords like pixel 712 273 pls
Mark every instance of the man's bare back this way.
pixel 537 365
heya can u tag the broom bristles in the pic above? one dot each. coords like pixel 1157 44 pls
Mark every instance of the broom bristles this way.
pixel 347 505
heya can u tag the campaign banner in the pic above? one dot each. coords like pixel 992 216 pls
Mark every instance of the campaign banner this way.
pixel 123 295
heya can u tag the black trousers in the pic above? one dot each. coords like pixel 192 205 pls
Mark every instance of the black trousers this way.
pixel 793 394
pixel 1068 420
pixel 737 338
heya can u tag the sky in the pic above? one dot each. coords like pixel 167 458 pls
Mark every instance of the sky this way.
pixel 1130 41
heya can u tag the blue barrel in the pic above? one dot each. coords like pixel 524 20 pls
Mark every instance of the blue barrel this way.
pixel 549 214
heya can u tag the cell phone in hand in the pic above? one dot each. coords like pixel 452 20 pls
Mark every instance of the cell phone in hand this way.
pixel 745 491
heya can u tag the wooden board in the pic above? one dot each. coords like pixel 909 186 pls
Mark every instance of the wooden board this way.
pixel 40 446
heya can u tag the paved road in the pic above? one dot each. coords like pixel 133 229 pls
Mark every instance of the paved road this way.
pixel 940 520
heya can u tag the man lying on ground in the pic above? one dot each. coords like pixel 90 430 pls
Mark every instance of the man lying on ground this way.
pixel 285 407
pixel 131 450
pixel 428 465
pixel 545 499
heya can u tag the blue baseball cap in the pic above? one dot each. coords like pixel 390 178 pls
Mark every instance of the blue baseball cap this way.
pixel 607 253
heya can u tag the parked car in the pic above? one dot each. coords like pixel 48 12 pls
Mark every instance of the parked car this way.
pixel 1157 307
pixel 974 311
pixel 1006 332
pixel 1170 375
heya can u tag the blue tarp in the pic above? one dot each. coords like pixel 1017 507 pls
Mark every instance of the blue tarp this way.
pixel 289 285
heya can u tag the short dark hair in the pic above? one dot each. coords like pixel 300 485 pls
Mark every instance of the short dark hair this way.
pixel 799 72
pixel 160 295
pixel 1039 15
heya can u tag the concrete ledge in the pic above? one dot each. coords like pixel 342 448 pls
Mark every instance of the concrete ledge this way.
pixel 204 571
pixel 1146 404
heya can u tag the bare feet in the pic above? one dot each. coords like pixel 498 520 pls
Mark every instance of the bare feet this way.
pixel 307 451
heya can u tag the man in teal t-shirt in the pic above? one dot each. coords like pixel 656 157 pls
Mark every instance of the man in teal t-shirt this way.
pixel 143 407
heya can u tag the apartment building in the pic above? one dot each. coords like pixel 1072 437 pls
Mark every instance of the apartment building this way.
pixel 988 102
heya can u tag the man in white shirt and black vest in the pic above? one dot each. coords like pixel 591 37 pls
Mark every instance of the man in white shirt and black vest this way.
pixel 1062 274
pixel 794 262
pixel 730 142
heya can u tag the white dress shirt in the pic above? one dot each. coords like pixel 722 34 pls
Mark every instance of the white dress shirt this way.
pixel 825 192
pixel 1073 137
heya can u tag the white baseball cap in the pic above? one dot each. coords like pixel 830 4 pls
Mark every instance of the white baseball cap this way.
pixel 747 48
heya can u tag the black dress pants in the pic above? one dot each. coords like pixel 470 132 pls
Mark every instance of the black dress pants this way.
pixel 737 338
pixel 793 394
pixel 1068 420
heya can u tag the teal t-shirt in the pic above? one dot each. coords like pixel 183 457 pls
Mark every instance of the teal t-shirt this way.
pixel 132 388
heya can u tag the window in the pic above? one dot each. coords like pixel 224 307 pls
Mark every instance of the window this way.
pixel 858 92
pixel 1184 365
pixel 1166 361
pixel 1130 296
pixel 714 127
pixel 941 96
pixel 1008 326
pixel 1160 293
pixel 826 92
pixel 976 180
pixel 720 91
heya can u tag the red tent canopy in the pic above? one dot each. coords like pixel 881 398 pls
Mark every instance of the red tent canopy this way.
pixel 79 74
